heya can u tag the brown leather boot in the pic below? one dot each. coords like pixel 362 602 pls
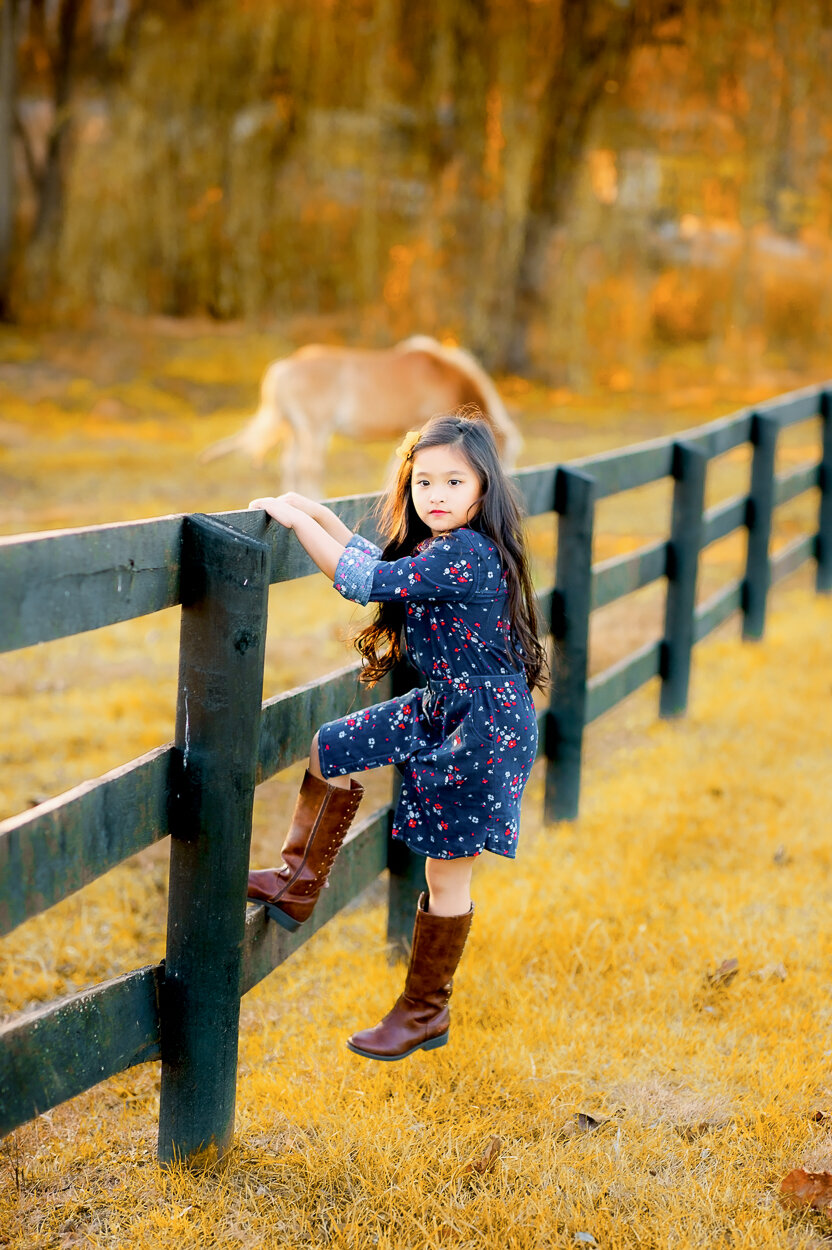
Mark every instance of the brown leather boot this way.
pixel 323 814
pixel 420 1020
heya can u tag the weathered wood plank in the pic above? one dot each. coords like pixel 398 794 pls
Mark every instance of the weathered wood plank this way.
pixel 612 579
pixel 823 547
pixel 793 408
pixel 723 435
pixel 765 429
pixel 544 606
pixel 790 557
pixel 360 860
pixel 624 469
pixel 290 719
pixel 63 582
pixel 689 466
pixel 59 846
pixel 723 519
pixel 606 689
pixel 789 485
pixel 537 488
pixel 541 716
pixel 405 869
pixel 717 609
pixel 575 502
pixel 63 1048
pixel 225 585
pixel 627 468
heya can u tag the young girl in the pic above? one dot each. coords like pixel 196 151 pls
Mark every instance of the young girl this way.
pixel 454 593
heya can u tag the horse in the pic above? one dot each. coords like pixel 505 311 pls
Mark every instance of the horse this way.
pixel 365 393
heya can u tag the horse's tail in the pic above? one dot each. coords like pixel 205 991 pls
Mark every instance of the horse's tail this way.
pixel 264 430
pixel 474 372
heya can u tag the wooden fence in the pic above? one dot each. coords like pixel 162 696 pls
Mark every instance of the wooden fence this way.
pixel 199 789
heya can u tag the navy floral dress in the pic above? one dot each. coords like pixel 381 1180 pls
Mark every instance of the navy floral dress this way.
pixel 466 742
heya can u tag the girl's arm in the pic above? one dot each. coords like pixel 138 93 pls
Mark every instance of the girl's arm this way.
pixel 452 569
pixel 324 549
pixel 319 512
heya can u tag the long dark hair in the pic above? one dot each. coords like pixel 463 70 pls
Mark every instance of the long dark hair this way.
pixel 498 517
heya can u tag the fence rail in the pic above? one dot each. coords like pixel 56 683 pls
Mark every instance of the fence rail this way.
pixel 198 790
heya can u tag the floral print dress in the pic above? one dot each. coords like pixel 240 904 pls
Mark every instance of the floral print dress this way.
pixel 466 742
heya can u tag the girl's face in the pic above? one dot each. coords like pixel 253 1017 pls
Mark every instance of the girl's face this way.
pixel 445 489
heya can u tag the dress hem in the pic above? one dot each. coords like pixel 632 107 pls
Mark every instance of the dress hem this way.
pixel 418 850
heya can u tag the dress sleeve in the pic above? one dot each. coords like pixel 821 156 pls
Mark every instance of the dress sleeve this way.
pixel 446 570
pixel 358 543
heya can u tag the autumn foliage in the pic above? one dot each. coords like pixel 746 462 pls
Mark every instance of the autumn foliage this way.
pixel 578 189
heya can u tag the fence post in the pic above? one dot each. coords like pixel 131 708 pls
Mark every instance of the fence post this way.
pixel 406 869
pixel 571 602
pixel 689 465
pixel 225 579
pixel 764 431
pixel 823 543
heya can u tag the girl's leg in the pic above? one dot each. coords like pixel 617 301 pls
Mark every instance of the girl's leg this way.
pixel 420 1019
pixel 315 769
pixel 343 783
pixel 323 814
pixel 449 886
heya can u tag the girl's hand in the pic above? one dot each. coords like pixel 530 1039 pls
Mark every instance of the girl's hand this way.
pixel 309 506
pixel 279 508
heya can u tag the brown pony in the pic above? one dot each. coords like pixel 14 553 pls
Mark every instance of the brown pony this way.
pixel 319 391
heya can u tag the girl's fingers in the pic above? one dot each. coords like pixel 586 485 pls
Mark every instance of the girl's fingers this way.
pixel 277 508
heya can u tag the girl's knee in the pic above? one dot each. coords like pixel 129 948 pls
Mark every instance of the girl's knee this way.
pixel 447 872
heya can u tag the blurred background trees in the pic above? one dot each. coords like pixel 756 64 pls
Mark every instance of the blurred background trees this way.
pixel 576 189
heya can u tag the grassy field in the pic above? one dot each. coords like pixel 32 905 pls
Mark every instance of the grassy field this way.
pixel 636 1103
pixel 583 992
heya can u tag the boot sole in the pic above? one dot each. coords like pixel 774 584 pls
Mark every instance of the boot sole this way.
pixel 274 913
pixel 432 1044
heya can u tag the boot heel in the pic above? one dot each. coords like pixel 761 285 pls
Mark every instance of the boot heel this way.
pixel 436 1042
pixel 286 922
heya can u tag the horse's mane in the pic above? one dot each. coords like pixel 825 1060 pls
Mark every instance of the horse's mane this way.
pixel 465 362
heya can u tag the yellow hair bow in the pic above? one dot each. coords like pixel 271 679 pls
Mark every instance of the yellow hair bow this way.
pixel 405 448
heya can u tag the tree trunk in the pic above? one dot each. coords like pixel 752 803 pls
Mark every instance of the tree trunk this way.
pixel 8 94
pixel 592 55
pixel 50 205
pixel 513 130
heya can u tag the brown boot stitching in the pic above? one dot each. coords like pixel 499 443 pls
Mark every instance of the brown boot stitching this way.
pixel 308 847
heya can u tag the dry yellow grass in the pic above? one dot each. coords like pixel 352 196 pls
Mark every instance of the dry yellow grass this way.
pixel 583 991
pixel 582 994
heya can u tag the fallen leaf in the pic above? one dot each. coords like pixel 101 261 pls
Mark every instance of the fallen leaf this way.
pixel 580 1123
pixel 808 1189
pixel 488 1158
pixel 724 974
